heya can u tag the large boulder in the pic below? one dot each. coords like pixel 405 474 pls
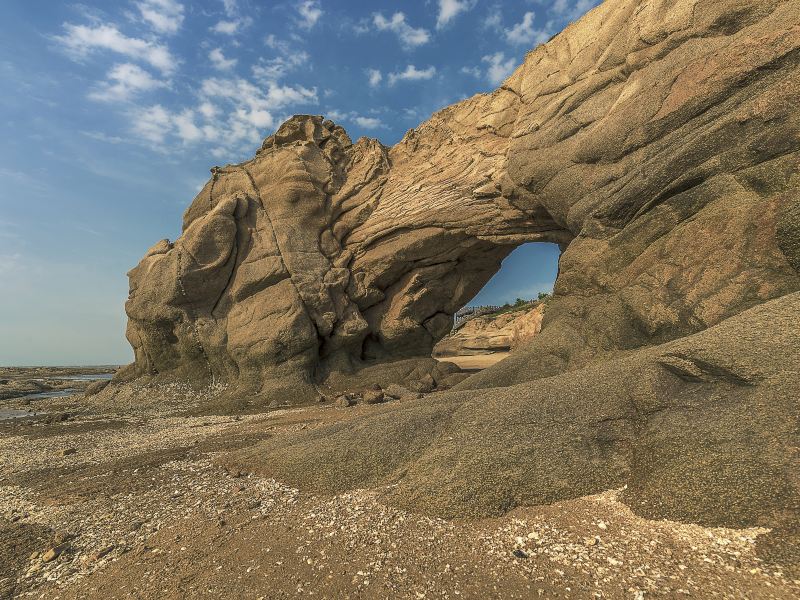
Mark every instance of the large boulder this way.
pixel 656 141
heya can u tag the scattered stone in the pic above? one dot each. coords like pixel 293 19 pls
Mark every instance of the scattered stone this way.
pixel 423 385
pixel 68 451
pixel 95 556
pixel 344 401
pixel 397 391
pixel 52 554
pixel 520 553
pixel 373 396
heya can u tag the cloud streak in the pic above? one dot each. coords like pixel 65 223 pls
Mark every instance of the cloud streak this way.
pixel 524 33
pixel 310 12
pixel 164 16
pixel 412 73
pixel 79 41
pixel 353 117
pixel 124 82
pixel 219 62
pixel 231 112
pixel 410 37
pixel 450 9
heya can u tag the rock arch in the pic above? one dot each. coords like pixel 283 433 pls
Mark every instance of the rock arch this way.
pixel 656 141
pixel 318 256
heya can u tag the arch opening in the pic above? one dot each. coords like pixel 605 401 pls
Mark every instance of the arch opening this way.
pixel 507 311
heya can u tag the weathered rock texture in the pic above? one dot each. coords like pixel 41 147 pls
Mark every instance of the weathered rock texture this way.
pixel 493 333
pixel 656 141
pixel 701 429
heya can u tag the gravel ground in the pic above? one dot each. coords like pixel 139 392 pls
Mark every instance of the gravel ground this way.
pixel 141 506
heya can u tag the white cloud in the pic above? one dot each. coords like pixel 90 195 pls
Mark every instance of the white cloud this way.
pixel 409 37
pixel 151 123
pixel 499 67
pixel 231 7
pixel 276 68
pixel 227 27
pixel 362 26
pixel 185 127
pixel 219 62
pixel 375 77
pixel 124 82
pixel 474 71
pixel 336 115
pixel 523 33
pixel 251 108
pixel 310 12
pixel 369 122
pixel 232 112
pixel 450 9
pixel 102 137
pixel 358 119
pixel 277 44
pixel 497 70
pixel 208 110
pixel 494 20
pixel 164 16
pixel 244 92
pixel 412 73
pixel 80 40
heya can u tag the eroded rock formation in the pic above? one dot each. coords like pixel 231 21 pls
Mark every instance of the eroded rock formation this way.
pixel 501 332
pixel 656 141
pixel 323 256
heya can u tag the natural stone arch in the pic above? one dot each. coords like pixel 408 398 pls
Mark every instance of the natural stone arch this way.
pixel 658 140
pixel 309 259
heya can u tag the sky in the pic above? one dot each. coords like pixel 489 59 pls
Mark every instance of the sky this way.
pixel 113 112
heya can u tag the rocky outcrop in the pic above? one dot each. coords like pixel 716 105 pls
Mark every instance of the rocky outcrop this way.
pixel 701 429
pixel 501 332
pixel 656 142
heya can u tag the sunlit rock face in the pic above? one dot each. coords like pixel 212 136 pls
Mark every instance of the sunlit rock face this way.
pixel 656 141
pixel 320 254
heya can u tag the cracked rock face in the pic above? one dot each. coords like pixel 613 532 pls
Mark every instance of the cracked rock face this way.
pixel 657 142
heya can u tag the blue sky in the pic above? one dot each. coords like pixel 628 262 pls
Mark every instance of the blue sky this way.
pixel 112 113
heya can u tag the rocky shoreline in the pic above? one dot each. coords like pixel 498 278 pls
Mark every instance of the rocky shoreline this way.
pixel 28 383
